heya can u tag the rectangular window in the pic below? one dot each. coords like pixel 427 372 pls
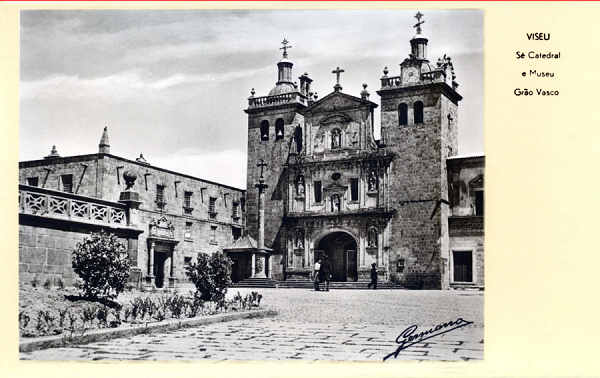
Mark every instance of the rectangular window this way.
pixel 213 234
pixel 67 183
pixel 318 191
pixel 236 233
pixel 235 211
pixel 212 206
pixel 187 202
pixel 160 193
pixel 187 260
pixel 479 202
pixel 32 181
pixel 354 189
pixel 463 266
pixel 188 231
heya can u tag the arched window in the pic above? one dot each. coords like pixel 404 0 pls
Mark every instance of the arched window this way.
pixel 402 114
pixel 279 129
pixel 418 109
pixel 336 138
pixel 264 130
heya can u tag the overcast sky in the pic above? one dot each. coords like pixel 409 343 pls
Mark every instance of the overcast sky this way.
pixel 173 84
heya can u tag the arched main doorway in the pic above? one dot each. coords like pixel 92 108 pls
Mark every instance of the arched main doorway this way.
pixel 340 249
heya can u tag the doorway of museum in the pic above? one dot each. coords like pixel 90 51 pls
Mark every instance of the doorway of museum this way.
pixel 340 249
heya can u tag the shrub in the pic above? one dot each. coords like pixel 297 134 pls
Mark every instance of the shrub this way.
pixel 47 284
pixel 101 262
pixel 211 275
pixel 35 281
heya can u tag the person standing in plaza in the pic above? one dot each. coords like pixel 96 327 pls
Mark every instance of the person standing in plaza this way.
pixel 317 274
pixel 326 272
pixel 373 277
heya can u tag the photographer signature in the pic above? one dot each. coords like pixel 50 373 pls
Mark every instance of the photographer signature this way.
pixel 407 337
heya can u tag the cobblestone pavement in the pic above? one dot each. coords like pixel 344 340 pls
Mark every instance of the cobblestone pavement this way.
pixel 335 325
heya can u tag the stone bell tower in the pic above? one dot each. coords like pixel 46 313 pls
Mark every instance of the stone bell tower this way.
pixel 419 124
pixel 273 120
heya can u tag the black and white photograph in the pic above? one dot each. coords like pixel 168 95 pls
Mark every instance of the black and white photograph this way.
pixel 251 185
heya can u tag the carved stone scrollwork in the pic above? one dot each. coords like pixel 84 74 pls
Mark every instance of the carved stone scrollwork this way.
pixel 162 227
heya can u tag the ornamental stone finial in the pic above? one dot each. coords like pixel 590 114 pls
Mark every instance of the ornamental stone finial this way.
pixel 129 176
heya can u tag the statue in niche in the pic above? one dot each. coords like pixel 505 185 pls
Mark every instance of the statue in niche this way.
pixel 336 138
pixel 299 239
pixel 300 186
pixel 335 203
pixel 372 181
pixel 372 238
pixel 319 141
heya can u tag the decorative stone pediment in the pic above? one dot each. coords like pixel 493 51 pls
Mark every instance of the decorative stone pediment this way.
pixel 162 228
pixel 337 100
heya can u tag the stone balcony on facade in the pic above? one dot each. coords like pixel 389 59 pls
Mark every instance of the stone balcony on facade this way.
pixel 58 205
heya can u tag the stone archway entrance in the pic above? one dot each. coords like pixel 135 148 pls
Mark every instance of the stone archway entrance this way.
pixel 340 248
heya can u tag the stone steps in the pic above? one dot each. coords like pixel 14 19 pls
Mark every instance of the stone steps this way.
pixel 255 283
pixel 306 284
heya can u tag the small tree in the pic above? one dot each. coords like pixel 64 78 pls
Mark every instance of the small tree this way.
pixel 211 275
pixel 101 262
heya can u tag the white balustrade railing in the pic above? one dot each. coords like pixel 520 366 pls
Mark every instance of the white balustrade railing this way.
pixel 285 98
pixel 54 204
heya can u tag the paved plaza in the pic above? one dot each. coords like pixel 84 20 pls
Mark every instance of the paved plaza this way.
pixel 336 325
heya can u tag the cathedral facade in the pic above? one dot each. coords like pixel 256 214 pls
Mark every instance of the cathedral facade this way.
pixel 405 202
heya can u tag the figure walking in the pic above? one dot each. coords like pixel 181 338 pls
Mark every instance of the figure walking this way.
pixel 326 272
pixel 373 277
pixel 317 274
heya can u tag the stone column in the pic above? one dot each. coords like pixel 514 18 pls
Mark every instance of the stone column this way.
pixel 150 276
pixel 151 260
pixel 261 186
pixel 172 266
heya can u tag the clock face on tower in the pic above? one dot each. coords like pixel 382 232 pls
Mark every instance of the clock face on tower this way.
pixel 410 75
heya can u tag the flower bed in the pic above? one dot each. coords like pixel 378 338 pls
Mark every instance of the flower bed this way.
pixel 47 311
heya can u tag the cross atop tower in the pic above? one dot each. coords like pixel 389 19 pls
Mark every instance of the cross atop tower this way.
pixel 337 73
pixel 285 47
pixel 418 16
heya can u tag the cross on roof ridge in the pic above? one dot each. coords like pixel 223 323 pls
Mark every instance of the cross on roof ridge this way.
pixel 337 73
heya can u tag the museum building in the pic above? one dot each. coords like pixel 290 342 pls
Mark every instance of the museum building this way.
pixel 164 217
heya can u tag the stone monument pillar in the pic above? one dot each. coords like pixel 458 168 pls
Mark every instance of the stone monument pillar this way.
pixel 131 198
pixel 259 268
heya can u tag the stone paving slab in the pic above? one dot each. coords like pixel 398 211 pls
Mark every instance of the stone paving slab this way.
pixel 263 339
pixel 337 325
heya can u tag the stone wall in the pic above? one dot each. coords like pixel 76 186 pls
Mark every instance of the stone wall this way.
pixel 46 247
